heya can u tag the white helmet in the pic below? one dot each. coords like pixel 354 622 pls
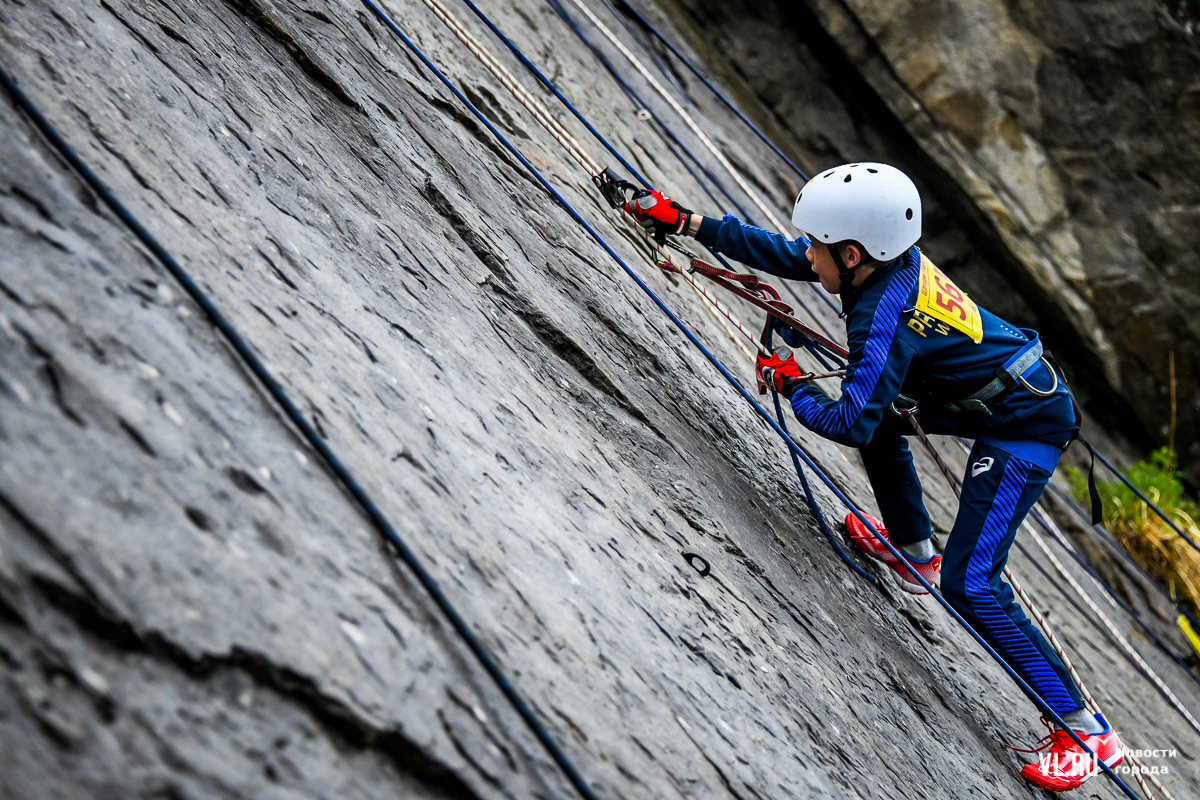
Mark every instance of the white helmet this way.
pixel 874 204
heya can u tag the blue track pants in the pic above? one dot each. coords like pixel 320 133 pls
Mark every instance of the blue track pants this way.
pixel 998 490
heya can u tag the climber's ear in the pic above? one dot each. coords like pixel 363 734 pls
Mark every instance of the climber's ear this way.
pixel 852 254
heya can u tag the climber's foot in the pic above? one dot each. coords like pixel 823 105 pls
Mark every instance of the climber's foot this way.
pixel 866 540
pixel 930 570
pixel 1066 766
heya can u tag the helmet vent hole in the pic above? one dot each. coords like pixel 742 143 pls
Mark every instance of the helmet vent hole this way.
pixel 827 174
pixel 908 214
pixel 883 252
pixel 827 236
pixel 872 171
pixel 847 180
pixel 800 196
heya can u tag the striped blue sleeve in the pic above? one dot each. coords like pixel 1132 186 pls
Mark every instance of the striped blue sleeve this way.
pixel 874 374
pixel 762 250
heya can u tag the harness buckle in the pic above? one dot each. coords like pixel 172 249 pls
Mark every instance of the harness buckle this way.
pixel 1053 372
pixel 906 406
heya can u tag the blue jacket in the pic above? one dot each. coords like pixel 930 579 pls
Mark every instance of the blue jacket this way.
pixel 894 351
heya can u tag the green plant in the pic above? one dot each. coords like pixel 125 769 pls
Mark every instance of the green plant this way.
pixel 1151 541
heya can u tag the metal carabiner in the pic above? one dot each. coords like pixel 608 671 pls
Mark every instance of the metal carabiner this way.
pixel 909 409
pixel 1039 392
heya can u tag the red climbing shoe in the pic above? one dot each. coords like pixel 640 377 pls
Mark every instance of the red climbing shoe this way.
pixel 866 540
pixel 1066 766
pixel 930 570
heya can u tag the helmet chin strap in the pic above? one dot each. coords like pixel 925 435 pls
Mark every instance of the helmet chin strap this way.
pixel 845 274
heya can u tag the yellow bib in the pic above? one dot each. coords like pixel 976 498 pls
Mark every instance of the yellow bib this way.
pixel 938 297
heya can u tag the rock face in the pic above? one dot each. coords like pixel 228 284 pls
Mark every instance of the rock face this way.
pixel 192 606
pixel 1063 136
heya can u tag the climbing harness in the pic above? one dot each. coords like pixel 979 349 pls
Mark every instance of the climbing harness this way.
pixel 1009 377
pixel 687 332
pixel 252 362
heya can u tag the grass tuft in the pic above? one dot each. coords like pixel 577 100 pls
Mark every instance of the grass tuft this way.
pixel 1134 524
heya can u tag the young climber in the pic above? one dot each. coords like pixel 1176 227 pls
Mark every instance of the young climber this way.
pixel 916 340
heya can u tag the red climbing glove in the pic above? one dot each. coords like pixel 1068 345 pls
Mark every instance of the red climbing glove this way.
pixel 659 215
pixel 781 369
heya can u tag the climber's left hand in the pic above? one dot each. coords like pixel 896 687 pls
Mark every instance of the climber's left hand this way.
pixel 780 369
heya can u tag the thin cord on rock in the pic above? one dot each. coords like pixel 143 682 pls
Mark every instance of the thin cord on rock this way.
pixel 1162 514
pixel 529 65
pixel 720 95
pixel 687 119
pixel 1055 534
pixel 583 37
pixel 297 418
pixel 1100 532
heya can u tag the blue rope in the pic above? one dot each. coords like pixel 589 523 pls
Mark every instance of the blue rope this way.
pixel 641 104
pixel 686 164
pixel 529 65
pixel 721 95
pixel 729 103
pixel 1088 568
pixel 812 500
pixel 276 390
pixel 816 353
pixel 808 493
pixel 1145 499
pixel 1033 696
pixel 665 130
pixel 562 12
pixel 1099 530
pixel 658 62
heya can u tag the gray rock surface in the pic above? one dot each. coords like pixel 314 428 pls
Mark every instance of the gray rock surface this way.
pixel 191 606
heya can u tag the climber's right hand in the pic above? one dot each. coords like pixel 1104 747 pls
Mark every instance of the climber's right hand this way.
pixel 660 216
